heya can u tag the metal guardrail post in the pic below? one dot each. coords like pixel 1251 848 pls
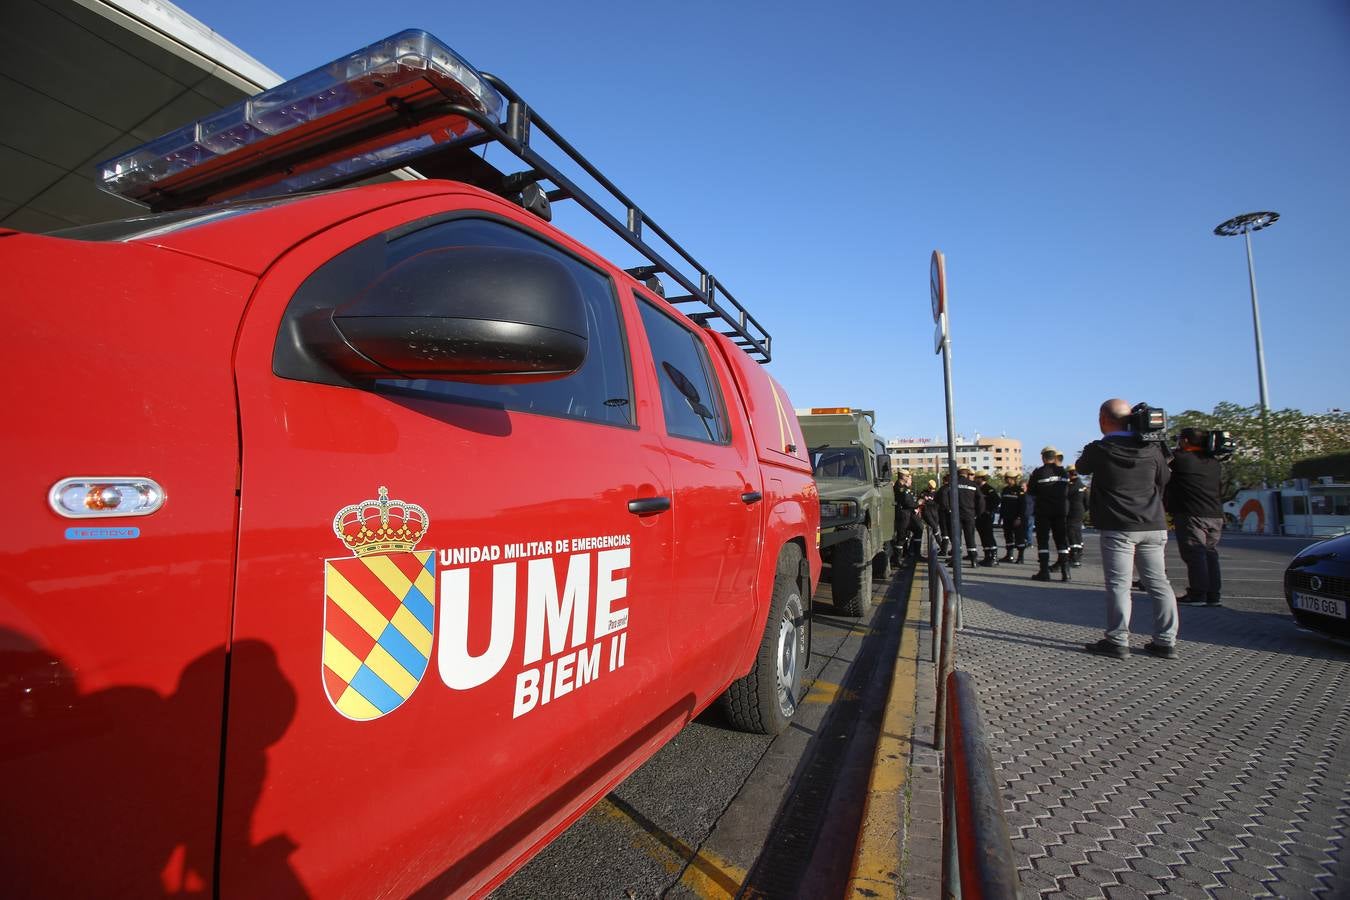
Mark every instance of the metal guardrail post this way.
pixel 934 592
pixel 946 659
pixel 977 859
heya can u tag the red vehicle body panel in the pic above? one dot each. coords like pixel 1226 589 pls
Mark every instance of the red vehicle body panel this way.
pixel 112 652
pixel 469 773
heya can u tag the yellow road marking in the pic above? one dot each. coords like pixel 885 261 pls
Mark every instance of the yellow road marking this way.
pixel 706 874
pixel 876 863
pixel 827 692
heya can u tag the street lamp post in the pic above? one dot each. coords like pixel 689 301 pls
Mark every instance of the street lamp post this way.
pixel 1244 225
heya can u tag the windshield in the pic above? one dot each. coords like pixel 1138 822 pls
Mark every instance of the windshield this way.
pixel 838 462
pixel 157 224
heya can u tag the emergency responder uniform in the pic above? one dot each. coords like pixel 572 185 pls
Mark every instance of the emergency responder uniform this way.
pixel 1012 503
pixel 944 504
pixel 972 504
pixel 931 514
pixel 906 518
pixel 1077 505
pixel 1049 489
pixel 984 522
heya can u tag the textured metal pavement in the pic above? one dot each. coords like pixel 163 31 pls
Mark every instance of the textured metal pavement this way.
pixel 1225 773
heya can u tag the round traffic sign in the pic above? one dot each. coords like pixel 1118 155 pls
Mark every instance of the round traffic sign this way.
pixel 937 283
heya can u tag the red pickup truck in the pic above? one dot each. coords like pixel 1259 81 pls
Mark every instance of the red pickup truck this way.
pixel 365 538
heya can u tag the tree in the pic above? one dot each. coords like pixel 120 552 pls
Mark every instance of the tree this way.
pixel 1293 436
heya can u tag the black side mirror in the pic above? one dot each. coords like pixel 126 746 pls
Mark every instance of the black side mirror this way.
pixel 488 314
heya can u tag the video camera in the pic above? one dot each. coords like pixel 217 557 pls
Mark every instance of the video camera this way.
pixel 1217 444
pixel 1149 422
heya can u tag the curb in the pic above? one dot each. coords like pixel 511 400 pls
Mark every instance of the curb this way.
pixel 877 861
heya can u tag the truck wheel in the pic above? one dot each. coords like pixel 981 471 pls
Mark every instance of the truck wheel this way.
pixel 764 700
pixel 881 564
pixel 851 576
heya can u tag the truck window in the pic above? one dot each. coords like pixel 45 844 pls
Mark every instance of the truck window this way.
pixel 689 394
pixel 838 462
pixel 600 391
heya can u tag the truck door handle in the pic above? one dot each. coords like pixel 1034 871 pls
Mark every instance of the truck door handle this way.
pixel 751 497
pixel 648 505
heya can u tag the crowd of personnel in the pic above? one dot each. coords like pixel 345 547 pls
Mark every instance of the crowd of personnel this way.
pixel 1137 484
pixel 1058 493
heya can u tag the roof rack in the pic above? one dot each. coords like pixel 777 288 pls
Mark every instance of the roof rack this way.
pixel 723 309
pixel 439 100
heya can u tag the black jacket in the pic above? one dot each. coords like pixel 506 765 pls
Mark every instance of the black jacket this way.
pixel 904 498
pixel 972 504
pixel 1128 477
pixel 932 511
pixel 1012 503
pixel 1050 489
pixel 1195 489
pixel 1076 496
pixel 989 498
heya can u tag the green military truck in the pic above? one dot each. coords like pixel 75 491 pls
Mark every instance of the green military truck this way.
pixel 857 502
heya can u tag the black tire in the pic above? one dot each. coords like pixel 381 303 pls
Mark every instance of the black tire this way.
pixel 851 576
pixel 881 564
pixel 765 700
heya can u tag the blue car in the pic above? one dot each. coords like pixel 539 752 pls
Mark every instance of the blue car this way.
pixel 1317 586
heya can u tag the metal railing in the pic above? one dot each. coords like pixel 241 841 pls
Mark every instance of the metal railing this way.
pixel 944 616
pixel 977 858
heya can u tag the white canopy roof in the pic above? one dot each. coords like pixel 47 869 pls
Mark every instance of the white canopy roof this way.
pixel 83 80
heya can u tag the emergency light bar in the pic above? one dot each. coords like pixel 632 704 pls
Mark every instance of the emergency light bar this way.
pixel 406 99
pixel 405 79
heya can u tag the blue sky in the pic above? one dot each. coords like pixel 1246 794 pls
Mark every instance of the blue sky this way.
pixel 1070 159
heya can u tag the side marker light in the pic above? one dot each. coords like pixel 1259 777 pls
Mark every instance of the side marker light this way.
pixel 89 497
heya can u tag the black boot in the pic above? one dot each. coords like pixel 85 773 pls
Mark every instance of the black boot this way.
pixel 972 558
pixel 1008 557
pixel 988 560
pixel 1063 563
pixel 1043 573
pixel 1021 554
pixel 1076 557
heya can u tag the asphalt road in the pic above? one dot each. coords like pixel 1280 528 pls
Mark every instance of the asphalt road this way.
pixel 718 813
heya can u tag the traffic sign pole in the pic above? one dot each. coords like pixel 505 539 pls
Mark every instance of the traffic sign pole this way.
pixel 937 282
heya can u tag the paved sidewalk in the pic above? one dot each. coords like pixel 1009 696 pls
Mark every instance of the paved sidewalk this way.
pixel 1225 773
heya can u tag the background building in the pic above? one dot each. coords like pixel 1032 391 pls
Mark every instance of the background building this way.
pixel 983 454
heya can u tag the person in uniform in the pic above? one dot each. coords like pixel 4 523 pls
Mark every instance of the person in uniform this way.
pixel 906 514
pixel 984 523
pixel 929 512
pixel 1049 489
pixel 944 505
pixel 1012 510
pixel 972 504
pixel 1073 522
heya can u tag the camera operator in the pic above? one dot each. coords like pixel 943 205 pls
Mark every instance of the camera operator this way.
pixel 1193 498
pixel 1128 477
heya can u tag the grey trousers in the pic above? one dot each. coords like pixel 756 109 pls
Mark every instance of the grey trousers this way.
pixel 1122 553
pixel 1198 541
